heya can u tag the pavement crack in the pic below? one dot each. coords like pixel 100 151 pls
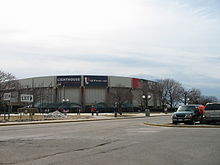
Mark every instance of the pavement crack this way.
pixel 115 149
pixel 64 152
pixel 96 146
pixel 40 157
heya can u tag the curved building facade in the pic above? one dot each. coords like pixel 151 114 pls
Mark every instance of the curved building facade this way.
pixel 86 90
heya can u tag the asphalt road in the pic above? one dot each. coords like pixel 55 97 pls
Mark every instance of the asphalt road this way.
pixel 126 142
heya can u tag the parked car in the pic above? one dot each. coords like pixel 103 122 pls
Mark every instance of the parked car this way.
pixel 212 113
pixel 187 114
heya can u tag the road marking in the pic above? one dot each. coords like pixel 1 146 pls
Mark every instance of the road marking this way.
pixel 143 130
pixel 182 126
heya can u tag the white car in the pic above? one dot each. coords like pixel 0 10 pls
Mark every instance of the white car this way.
pixel 212 113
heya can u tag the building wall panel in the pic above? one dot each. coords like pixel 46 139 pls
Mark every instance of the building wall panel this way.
pixel 137 97
pixel 14 97
pixel 42 95
pixel 26 83
pixel 120 82
pixel 44 81
pixel 73 94
pixel 94 95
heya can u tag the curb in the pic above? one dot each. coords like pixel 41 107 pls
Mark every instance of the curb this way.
pixel 63 121
pixel 72 121
pixel 181 126
pixel 50 122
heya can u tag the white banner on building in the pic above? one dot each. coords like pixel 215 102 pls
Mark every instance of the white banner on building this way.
pixel 27 98
pixel 7 96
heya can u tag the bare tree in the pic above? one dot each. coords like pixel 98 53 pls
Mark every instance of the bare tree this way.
pixel 7 82
pixel 120 96
pixel 192 96
pixel 42 95
pixel 170 92
pixel 207 99
pixel 195 97
pixel 161 89
pixel 158 91
pixel 138 98
pixel 150 88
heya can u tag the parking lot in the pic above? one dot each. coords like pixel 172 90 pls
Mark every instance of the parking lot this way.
pixel 125 142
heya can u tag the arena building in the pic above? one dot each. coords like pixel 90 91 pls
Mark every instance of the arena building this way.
pixel 82 91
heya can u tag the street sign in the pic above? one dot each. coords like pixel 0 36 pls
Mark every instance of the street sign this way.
pixel 27 98
pixel 7 96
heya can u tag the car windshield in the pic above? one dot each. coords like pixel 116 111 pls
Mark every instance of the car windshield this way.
pixel 212 107
pixel 186 108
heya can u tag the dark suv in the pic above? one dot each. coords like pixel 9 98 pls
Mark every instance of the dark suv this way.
pixel 187 114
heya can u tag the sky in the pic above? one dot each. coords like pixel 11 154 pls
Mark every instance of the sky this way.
pixel 150 39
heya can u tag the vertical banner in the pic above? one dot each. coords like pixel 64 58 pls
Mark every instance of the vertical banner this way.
pixel 137 83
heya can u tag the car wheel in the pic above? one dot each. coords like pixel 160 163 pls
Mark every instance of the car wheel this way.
pixel 207 122
pixel 201 121
pixel 213 122
pixel 174 122
pixel 193 122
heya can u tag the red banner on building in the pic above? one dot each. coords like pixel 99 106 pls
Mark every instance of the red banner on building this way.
pixel 135 82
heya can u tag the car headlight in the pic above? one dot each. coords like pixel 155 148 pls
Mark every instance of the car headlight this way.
pixel 188 115
pixel 173 116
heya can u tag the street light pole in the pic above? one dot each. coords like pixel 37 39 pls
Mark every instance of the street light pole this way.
pixel 65 101
pixel 186 100
pixel 116 109
pixel 64 92
pixel 144 101
pixel 148 98
pixel 146 107
pixel 185 94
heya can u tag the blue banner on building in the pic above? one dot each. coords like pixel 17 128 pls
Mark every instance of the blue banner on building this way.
pixel 96 81
pixel 69 81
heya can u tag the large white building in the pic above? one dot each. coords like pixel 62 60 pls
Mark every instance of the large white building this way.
pixel 85 90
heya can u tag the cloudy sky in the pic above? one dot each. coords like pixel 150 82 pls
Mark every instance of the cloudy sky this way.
pixel 150 39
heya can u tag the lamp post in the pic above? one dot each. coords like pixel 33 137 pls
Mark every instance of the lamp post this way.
pixel 7 104
pixel 64 92
pixel 116 109
pixel 186 100
pixel 65 101
pixel 146 100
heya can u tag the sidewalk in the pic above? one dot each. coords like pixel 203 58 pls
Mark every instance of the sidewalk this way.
pixel 85 117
